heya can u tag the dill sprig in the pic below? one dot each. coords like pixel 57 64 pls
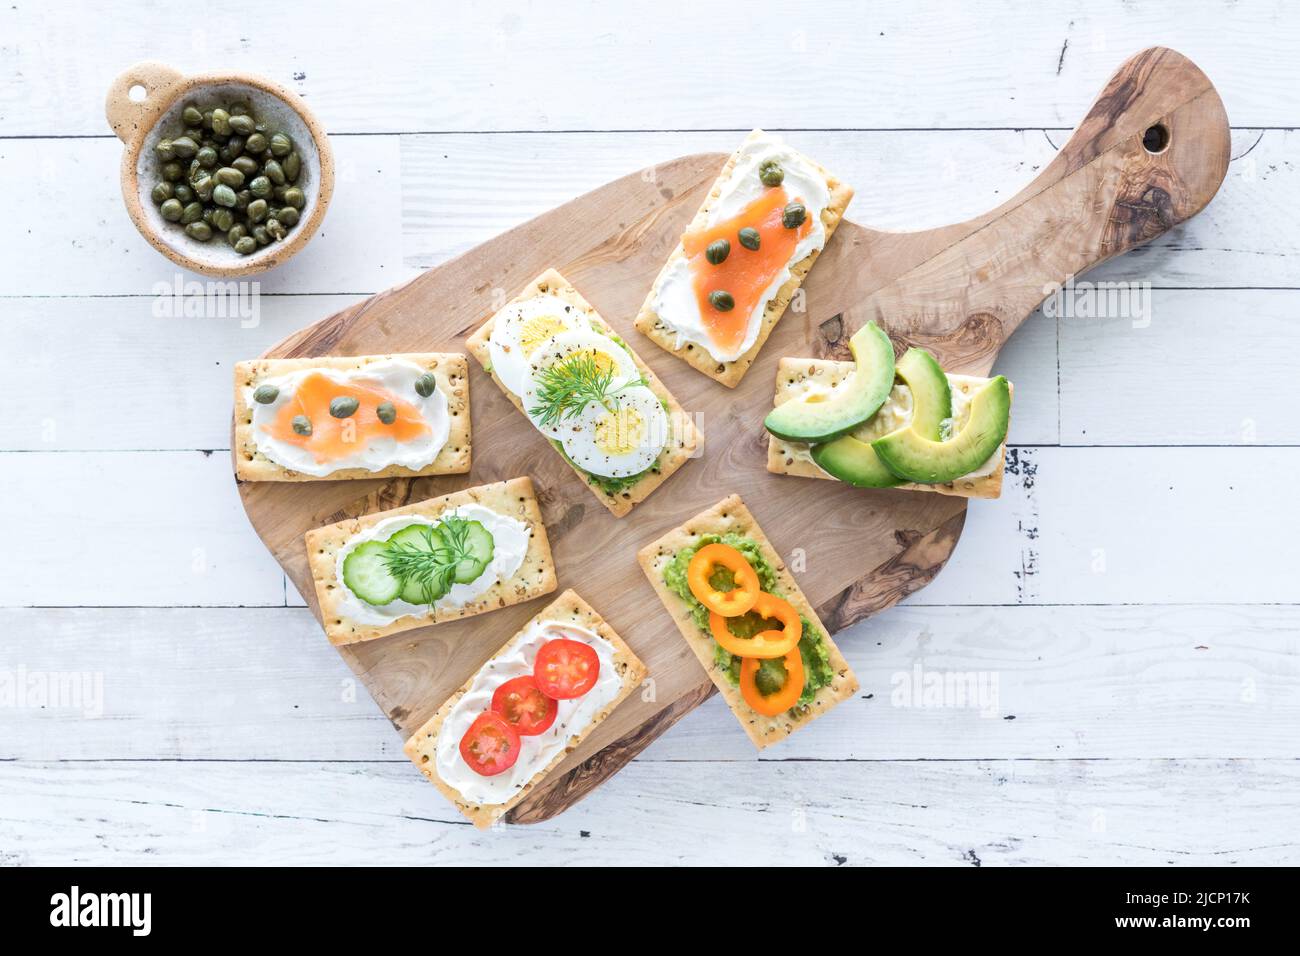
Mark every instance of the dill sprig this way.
pixel 431 568
pixel 566 388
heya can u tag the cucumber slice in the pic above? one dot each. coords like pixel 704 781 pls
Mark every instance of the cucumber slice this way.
pixel 481 546
pixel 418 537
pixel 365 572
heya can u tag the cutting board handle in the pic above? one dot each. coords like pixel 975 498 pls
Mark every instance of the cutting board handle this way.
pixel 1150 154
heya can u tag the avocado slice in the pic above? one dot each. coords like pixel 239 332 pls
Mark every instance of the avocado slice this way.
pixel 855 461
pixel 915 457
pixel 819 418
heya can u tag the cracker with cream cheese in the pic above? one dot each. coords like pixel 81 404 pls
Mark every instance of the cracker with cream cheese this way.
pixel 731 515
pixel 451 369
pixel 514 498
pixel 568 608
pixel 795 375
pixel 730 373
pixel 684 441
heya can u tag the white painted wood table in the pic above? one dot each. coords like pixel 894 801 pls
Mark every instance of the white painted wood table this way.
pixel 1134 594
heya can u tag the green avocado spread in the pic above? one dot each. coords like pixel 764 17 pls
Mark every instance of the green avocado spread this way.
pixel 812 645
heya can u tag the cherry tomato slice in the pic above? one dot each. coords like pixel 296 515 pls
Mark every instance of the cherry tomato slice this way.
pixel 491 745
pixel 521 702
pixel 566 669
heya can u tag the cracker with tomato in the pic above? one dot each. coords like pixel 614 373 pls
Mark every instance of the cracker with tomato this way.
pixel 514 498
pixel 521 707
pixel 450 372
pixel 742 273
pixel 684 439
pixel 730 516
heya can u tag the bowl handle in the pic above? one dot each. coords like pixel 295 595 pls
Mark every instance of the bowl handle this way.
pixel 128 116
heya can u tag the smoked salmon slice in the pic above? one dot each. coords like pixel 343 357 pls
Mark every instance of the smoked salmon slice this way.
pixel 334 438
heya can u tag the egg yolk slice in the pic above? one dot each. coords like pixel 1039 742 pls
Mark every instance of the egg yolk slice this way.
pixel 536 330
pixel 334 438
pixel 746 273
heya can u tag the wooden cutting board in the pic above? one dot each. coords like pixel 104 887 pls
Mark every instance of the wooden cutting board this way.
pixel 1150 153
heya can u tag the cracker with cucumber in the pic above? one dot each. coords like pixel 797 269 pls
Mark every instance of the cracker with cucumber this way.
pixel 439 560
pixel 878 422
pixel 743 615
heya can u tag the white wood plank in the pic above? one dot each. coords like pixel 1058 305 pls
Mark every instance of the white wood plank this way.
pixel 460 190
pixel 1201 369
pixel 835 64
pixel 1077 682
pixel 124 529
pixel 939 813
pixel 76 238
pixel 1131 526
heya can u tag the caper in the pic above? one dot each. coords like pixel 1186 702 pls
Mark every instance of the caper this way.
pixel 793 215
pixel 256 210
pixel 229 176
pixel 241 123
pixel 721 300
pixel 203 186
pixel 221 121
pixel 344 406
pixel 273 171
pixel 771 173
pixel 749 237
pixel 184 192
pixel 718 251
pixel 281 145
pixel 222 219
pixel 265 394
pixel 171 210
pixel 223 195
pixel 288 215
pixel 261 236
pixel 236 232
pixel 246 165
pixel 256 143
pixel 425 384
pixel 191 116
pixel 172 171
pixel 192 213
pixel 184 147
pixel 293 196
pixel 230 149
pixel 292 166
pixel 165 150
pixel 386 413
pixel 246 246
pixel 260 187
pixel 199 230
pixel 207 118
pixel 238 108
pixel 276 229
pixel 242 199
pixel 162 192
pixel 206 156
pixel 302 424
pixel 208 211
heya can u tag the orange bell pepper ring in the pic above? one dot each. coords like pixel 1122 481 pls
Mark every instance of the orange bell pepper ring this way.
pixel 770 705
pixel 727 603
pixel 766 644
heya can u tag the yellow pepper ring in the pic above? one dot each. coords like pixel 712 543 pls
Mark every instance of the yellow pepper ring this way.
pixel 766 644
pixel 731 603
pixel 783 699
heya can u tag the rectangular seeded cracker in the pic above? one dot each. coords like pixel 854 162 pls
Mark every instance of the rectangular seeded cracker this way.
pixel 685 440
pixel 730 373
pixel 451 369
pixel 513 498
pixel 731 515
pixel 790 458
pixel 567 608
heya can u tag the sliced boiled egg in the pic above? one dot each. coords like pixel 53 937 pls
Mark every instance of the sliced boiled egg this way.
pixel 521 327
pixel 620 437
pixel 572 353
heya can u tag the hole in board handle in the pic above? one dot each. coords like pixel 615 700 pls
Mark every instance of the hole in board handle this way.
pixel 1156 139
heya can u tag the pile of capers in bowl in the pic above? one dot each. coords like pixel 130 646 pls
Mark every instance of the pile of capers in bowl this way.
pixel 227 174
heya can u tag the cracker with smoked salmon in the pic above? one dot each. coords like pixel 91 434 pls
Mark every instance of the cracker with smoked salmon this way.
pixel 364 416
pixel 741 260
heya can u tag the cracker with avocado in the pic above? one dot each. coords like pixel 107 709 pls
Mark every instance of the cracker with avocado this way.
pixel 684 441
pixel 451 369
pixel 794 376
pixel 730 517
pixel 730 373
pixel 514 498
pixel 568 608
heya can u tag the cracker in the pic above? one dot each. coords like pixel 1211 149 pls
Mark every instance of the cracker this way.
pixel 535 576
pixel 790 458
pixel 730 373
pixel 686 440
pixel 731 515
pixel 451 369
pixel 567 608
